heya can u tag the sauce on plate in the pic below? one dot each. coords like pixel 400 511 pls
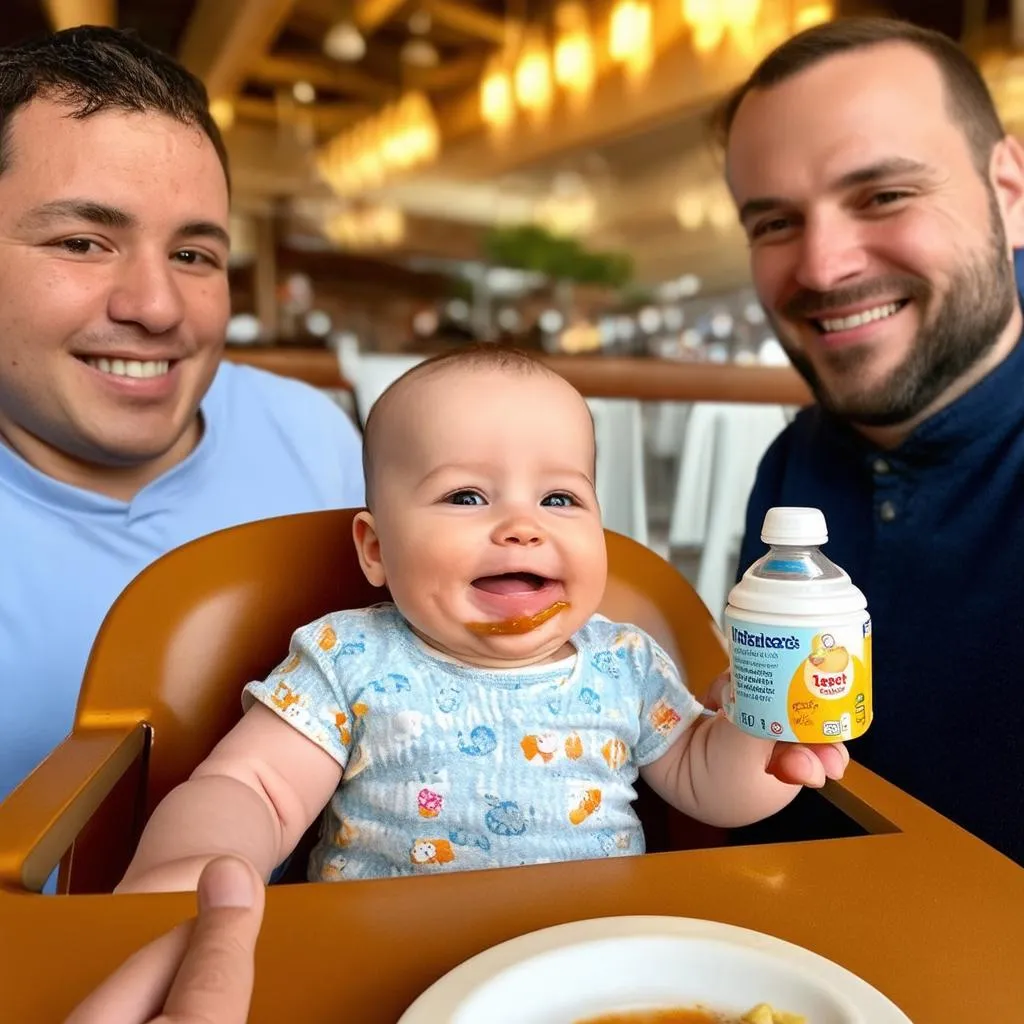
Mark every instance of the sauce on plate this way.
pixel 677 1016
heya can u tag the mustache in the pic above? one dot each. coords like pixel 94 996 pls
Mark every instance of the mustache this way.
pixel 808 303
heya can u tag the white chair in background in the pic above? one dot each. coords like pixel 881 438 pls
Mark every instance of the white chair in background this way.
pixel 370 373
pixel 621 481
pixel 688 520
pixel 724 444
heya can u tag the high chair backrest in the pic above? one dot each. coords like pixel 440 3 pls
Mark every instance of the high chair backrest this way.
pixel 185 636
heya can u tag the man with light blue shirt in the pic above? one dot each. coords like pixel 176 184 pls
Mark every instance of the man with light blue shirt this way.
pixel 122 433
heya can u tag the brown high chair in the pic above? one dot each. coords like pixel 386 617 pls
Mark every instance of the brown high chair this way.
pixel 164 680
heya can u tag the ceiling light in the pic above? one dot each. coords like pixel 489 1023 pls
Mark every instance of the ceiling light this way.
pixel 223 112
pixel 303 92
pixel 419 23
pixel 420 53
pixel 344 42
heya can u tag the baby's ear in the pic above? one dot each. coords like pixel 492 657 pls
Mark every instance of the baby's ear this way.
pixel 364 533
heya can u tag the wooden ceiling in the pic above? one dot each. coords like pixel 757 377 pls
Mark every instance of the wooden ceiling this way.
pixel 646 145
pixel 256 49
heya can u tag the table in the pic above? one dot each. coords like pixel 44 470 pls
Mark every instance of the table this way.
pixel 919 908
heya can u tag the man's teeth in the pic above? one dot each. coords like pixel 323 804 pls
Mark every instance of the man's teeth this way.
pixel 847 323
pixel 131 367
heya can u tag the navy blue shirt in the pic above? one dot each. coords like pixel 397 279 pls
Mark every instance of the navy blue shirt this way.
pixel 933 533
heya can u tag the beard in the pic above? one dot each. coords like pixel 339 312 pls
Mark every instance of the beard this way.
pixel 963 328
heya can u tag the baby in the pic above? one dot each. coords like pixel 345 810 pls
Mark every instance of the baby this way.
pixel 488 716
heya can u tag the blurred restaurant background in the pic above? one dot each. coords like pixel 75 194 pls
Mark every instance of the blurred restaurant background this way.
pixel 415 174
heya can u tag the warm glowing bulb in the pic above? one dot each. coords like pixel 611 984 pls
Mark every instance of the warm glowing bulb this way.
pixel 740 15
pixel 223 113
pixel 629 31
pixel 690 212
pixel 707 22
pixel 574 62
pixel 496 105
pixel 533 79
pixel 812 14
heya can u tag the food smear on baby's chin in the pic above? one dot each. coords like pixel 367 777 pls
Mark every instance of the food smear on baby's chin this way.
pixel 519 625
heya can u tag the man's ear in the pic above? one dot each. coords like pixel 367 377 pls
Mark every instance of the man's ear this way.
pixel 1007 175
pixel 364 533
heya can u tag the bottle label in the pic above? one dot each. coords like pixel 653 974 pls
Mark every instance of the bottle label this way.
pixel 799 683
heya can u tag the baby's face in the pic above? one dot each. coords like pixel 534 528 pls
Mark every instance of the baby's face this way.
pixel 486 512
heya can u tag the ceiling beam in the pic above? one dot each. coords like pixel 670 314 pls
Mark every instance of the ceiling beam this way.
pixel 467 19
pixel 1017 23
pixel 69 13
pixel 328 118
pixel 321 73
pixel 451 74
pixel 223 37
pixel 369 15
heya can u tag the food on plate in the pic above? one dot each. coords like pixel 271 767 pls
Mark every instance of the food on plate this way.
pixel 760 1014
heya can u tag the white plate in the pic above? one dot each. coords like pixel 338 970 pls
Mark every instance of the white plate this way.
pixel 562 974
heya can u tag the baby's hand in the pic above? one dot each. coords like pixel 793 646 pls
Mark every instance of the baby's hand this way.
pixel 798 764
pixel 808 764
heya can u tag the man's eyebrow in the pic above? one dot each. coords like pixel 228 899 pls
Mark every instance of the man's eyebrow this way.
pixel 205 229
pixel 79 209
pixel 881 169
pixel 113 217
pixel 878 171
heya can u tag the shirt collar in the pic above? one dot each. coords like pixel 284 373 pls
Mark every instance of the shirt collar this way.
pixel 21 476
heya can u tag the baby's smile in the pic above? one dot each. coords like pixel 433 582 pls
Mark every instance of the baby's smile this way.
pixel 517 595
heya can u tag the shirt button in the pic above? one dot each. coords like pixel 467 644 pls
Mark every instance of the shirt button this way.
pixel 887 512
pixel 881 467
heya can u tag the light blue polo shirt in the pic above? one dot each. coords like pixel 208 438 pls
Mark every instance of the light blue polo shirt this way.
pixel 271 446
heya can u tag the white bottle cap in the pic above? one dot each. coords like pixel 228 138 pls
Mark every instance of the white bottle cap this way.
pixel 796 526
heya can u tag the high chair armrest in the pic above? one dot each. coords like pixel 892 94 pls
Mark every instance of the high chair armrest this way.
pixel 41 818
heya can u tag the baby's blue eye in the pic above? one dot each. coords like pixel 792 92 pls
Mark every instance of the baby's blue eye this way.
pixel 559 500
pixel 465 498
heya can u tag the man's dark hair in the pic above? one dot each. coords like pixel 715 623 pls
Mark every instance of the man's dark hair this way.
pixel 92 68
pixel 968 99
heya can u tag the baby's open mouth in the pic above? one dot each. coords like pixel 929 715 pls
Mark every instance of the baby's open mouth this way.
pixel 511 583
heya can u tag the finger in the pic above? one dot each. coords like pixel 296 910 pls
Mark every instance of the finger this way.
pixel 215 980
pixel 795 764
pixel 136 991
pixel 834 758
pixel 715 696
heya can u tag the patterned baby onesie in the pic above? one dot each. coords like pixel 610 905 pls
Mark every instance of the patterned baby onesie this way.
pixel 454 767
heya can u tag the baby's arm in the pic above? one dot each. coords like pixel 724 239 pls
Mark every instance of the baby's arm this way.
pixel 256 794
pixel 722 776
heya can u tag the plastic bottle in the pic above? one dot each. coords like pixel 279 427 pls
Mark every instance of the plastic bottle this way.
pixel 799 639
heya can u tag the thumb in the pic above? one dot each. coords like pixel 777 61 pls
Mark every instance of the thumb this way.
pixel 215 980
pixel 714 699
